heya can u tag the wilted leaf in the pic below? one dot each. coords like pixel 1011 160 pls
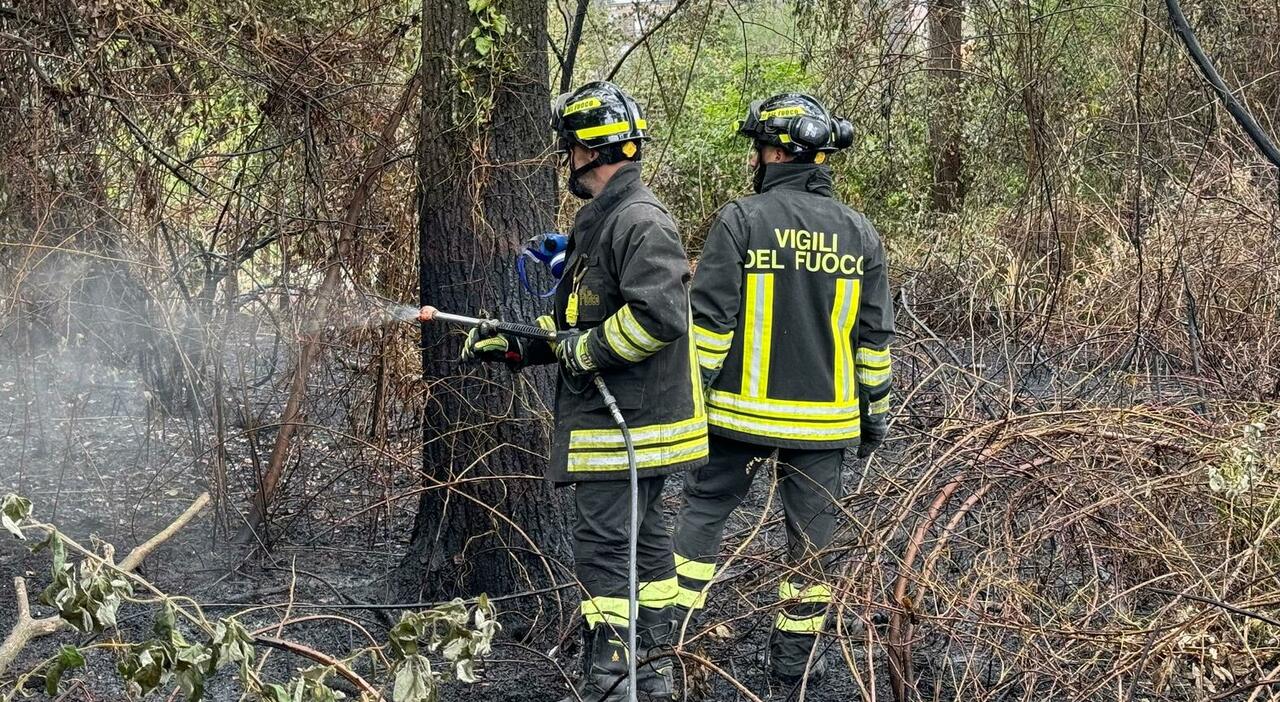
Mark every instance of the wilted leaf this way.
pixel 275 693
pixel 232 644
pixel 68 658
pixel 465 670
pixel 57 550
pixel 415 681
pixel 14 509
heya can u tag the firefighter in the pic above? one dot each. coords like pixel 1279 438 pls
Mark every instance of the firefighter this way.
pixel 793 321
pixel 624 297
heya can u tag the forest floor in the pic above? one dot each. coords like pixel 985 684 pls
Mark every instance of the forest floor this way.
pixel 79 440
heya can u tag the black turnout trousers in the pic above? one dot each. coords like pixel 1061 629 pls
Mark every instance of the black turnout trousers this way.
pixel 809 485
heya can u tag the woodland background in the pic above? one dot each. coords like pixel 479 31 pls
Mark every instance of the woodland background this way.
pixel 210 212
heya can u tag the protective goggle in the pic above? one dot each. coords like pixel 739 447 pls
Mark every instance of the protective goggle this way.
pixel 751 125
pixel 564 140
pixel 557 110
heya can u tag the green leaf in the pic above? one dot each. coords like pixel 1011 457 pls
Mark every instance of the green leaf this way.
pixel 405 634
pixel 477 5
pixel 275 693
pixel 57 550
pixel 484 44
pixel 232 644
pixel 500 25
pixel 68 658
pixel 191 683
pixel 166 626
pixel 14 509
pixel 146 666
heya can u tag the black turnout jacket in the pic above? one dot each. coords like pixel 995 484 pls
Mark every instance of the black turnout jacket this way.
pixel 626 284
pixel 793 318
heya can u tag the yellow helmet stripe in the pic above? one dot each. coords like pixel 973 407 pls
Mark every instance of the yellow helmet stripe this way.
pixel 608 129
pixel 581 105
pixel 791 111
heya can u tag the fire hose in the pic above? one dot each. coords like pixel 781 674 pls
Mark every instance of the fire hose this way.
pixel 493 327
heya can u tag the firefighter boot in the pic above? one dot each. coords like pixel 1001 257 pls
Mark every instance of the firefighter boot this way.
pixel 604 658
pixel 654 680
pixel 789 659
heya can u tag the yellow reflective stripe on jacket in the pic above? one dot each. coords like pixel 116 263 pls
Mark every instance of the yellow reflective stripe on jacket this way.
pixel 713 347
pixel 626 337
pixel 656 457
pixel 814 594
pixel 872 357
pixel 695 376
pixel 710 362
pixel 586 439
pixel 844 314
pixel 657 594
pixel 608 129
pixel 697 570
pixel 619 343
pixel 758 335
pixel 842 430
pixel 879 406
pixel 606 610
pixel 874 366
pixel 712 341
pixel 809 625
pixel 784 409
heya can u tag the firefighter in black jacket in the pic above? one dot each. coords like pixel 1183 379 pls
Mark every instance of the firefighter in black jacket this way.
pixel 793 321
pixel 625 297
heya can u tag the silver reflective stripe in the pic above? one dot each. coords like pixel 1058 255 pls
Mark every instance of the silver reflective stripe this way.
pixel 757 338
pixel 842 349
pixel 653 434
pixel 645 458
pixel 764 427
pixel 796 409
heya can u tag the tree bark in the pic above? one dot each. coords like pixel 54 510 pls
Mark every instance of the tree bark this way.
pixel 946 27
pixel 487 521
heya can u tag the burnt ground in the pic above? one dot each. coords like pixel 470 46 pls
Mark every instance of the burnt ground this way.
pixel 89 446
pixel 86 443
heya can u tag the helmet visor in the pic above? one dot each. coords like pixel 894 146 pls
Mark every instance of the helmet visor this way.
pixel 557 111
pixel 751 125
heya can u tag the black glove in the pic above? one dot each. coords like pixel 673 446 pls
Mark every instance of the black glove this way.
pixel 572 350
pixel 491 349
pixel 872 436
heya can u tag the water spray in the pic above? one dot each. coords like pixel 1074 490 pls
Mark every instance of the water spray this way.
pixel 493 327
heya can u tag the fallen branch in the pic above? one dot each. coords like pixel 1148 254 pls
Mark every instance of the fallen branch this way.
pixel 323 659
pixel 25 629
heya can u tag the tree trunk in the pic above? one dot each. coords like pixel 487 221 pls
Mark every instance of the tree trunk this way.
pixel 487 521
pixel 946 27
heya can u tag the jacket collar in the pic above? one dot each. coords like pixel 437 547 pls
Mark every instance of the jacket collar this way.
pixel 805 177
pixel 592 214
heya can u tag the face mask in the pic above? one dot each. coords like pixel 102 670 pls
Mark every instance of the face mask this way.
pixel 576 187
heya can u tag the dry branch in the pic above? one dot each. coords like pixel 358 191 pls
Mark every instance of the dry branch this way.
pixel 307 652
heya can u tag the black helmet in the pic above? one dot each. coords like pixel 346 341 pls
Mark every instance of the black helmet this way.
pixel 597 115
pixel 796 123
